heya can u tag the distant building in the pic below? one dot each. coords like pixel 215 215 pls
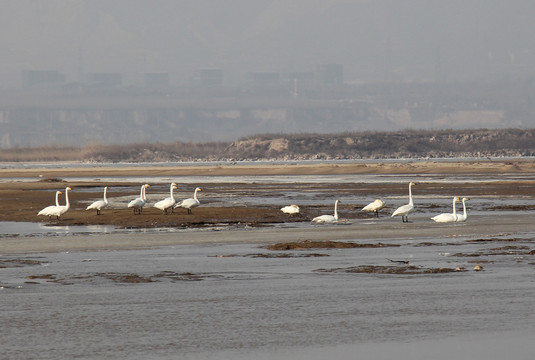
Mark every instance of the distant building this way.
pixel 105 79
pixel 210 77
pixel 32 78
pixel 264 78
pixel 156 80
pixel 330 74
pixel 302 79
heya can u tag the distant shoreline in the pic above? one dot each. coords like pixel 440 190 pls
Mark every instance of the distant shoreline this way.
pixel 519 165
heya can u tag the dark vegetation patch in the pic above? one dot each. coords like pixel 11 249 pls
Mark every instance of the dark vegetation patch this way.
pixel 483 240
pixel 122 278
pixel 11 263
pixel 275 256
pixel 396 270
pixel 307 244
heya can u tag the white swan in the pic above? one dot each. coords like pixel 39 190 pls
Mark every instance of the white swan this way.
pixel 446 217
pixel 328 219
pixel 405 210
pixel 191 202
pixel 290 209
pixel 137 204
pixel 167 202
pixel 374 206
pixel 461 218
pixel 50 210
pixel 59 210
pixel 99 204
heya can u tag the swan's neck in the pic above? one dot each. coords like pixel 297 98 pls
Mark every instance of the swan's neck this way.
pixel 67 198
pixel 171 191
pixel 143 195
pixel 410 194
pixel 464 208
pixel 195 194
pixel 105 191
pixel 454 211
pixel 142 192
pixel 57 198
pixel 336 210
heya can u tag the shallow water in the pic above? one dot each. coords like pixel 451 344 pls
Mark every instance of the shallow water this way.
pixel 220 301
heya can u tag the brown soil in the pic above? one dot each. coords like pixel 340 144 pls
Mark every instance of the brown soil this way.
pixel 324 245
pixel 20 201
pixel 395 269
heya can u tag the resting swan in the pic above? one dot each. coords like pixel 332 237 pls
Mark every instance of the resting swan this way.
pixel 167 202
pixel 99 204
pixel 191 202
pixel 290 209
pixel 446 218
pixel 137 204
pixel 405 210
pixel 328 219
pixel 374 206
pixel 464 216
pixel 49 210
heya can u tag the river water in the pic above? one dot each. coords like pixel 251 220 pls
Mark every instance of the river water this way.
pixel 232 301
pixel 224 300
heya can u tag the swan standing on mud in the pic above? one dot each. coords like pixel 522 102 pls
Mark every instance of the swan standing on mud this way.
pixel 167 202
pixel 374 206
pixel 59 210
pixel 464 216
pixel 328 219
pixel 446 217
pixel 191 202
pixel 405 210
pixel 99 204
pixel 137 204
pixel 290 209
pixel 50 210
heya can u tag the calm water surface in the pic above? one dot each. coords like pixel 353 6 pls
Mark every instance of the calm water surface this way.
pixel 221 301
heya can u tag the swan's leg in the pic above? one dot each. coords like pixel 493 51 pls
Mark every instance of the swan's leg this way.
pixel 189 211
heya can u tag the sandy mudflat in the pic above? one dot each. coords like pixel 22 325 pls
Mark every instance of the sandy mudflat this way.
pixel 383 230
pixel 391 167
pixel 20 201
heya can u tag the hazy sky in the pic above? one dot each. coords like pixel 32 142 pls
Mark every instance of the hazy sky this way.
pixel 374 39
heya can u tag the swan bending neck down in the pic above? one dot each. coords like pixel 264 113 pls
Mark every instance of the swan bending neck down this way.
pixel 328 219
pixel 191 202
pixel 137 204
pixel 446 218
pixel 464 216
pixel 405 210
pixel 50 210
pixel 374 206
pixel 167 202
pixel 99 204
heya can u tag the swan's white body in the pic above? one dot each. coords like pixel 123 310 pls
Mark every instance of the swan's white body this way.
pixel 137 204
pixel 59 210
pixel 52 209
pixel 99 204
pixel 167 202
pixel 446 217
pixel 375 206
pixel 191 202
pixel 327 219
pixel 405 210
pixel 290 209
pixel 464 216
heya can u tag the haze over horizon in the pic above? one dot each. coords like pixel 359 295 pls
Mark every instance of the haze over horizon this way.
pixel 409 40
pixel 477 56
